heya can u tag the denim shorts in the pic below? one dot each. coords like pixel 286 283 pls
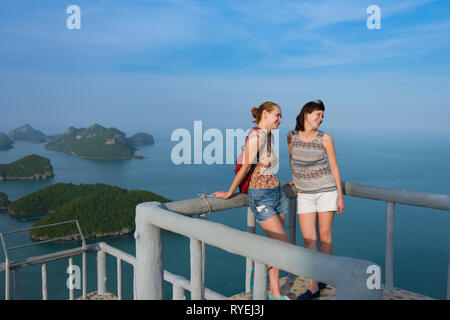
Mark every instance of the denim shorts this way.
pixel 266 203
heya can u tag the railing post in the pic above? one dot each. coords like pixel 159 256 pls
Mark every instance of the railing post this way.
pixel 149 257
pixel 249 264
pixel 84 273
pixel 291 219
pixel 134 283
pixel 16 284
pixel 251 221
pixel 178 292
pixel 70 284
pixel 101 272
pixel 119 279
pixel 203 216
pixel 197 289
pixel 389 257
pixel 44 282
pixel 291 228
pixel 2 239
pixel 260 289
pixel 7 282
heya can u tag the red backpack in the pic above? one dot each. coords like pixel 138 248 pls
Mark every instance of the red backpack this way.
pixel 243 186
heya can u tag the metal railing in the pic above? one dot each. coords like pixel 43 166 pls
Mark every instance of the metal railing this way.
pixel 393 197
pixel 193 207
pixel 348 275
pixel 180 284
pixel 16 265
pixel 388 195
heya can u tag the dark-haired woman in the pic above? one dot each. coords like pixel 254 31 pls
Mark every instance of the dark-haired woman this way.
pixel 265 195
pixel 317 181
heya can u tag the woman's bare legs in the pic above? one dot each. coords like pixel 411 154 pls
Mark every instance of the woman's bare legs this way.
pixel 308 227
pixel 325 231
pixel 274 229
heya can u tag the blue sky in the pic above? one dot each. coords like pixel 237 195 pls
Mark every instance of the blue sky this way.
pixel 153 65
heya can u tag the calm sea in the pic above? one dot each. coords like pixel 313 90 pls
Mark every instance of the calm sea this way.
pixel 400 160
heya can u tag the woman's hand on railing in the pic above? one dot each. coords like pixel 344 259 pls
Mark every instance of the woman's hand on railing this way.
pixel 222 194
pixel 290 183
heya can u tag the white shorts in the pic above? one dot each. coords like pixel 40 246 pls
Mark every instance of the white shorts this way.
pixel 317 202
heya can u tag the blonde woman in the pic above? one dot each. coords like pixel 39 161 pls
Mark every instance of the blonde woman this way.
pixel 265 194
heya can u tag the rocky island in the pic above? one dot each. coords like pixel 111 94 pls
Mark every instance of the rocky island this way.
pixel 5 142
pixel 141 139
pixel 27 133
pixel 28 168
pixel 98 142
pixel 3 201
pixel 100 209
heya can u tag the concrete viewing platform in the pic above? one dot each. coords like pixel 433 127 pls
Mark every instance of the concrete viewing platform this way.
pixel 95 296
pixel 293 290
pixel 300 285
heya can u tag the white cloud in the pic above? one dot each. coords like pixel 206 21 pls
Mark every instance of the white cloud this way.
pixel 274 33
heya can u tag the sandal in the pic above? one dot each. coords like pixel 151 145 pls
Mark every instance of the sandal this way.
pixel 309 295
pixel 321 285
pixel 271 297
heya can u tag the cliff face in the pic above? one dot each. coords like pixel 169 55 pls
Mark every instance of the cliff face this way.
pixel 37 176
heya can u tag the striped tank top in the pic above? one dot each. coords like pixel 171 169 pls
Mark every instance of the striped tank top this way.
pixel 310 169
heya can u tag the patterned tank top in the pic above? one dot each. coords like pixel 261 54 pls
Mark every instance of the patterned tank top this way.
pixel 310 169
pixel 263 176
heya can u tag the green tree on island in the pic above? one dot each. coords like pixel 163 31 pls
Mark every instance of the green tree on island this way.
pixel 100 209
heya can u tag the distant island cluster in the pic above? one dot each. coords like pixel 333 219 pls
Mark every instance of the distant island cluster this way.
pixel 96 142
pixel 100 209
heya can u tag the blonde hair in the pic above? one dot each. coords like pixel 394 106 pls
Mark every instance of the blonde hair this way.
pixel 257 112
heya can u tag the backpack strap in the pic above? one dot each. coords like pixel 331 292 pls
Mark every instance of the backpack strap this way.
pixel 251 130
pixel 253 166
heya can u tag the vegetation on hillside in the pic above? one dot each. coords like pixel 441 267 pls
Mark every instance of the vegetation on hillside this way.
pixel 100 209
pixel 32 166
pixel 48 199
pixel 95 142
